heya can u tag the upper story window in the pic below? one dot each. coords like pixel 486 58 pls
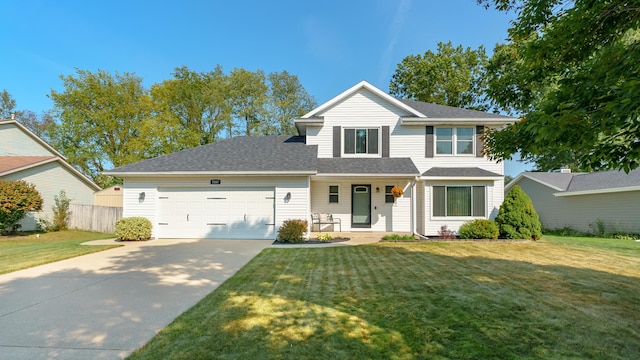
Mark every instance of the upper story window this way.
pixel 361 141
pixel 454 141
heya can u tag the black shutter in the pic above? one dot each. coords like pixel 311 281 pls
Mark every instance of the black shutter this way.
pixel 385 141
pixel 479 142
pixel 336 141
pixel 429 142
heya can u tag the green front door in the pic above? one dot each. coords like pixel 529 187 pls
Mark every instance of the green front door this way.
pixel 361 206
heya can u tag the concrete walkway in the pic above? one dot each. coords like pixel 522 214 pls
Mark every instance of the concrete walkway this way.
pixel 107 304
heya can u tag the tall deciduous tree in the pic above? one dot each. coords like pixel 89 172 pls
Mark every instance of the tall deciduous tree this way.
pixel 288 100
pixel 452 76
pixel 572 71
pixel 247 96
pixel 194 104
pixel 7 104
pixel 100 120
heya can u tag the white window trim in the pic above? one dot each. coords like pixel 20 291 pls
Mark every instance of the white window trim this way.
pixel 330 193
pixel 454 141
pixel 366 155
pixel 460 218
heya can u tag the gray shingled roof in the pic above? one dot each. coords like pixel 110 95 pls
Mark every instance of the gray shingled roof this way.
pixel 559 180
pixel 241 154
pixel 604 180
pixel 458 171
pixel 372 166
pixel 449 112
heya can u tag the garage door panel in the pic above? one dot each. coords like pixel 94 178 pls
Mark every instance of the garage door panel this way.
pixel 229 213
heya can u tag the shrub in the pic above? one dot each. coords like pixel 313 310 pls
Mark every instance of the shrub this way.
pixel 445 233
pixel 479 229
pixel 324 237
pixel 17 198
pixel 293 230
pixel 517 219
pixel 133 228
pixel 61 212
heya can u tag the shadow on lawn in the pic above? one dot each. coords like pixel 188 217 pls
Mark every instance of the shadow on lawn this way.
pixel 387 302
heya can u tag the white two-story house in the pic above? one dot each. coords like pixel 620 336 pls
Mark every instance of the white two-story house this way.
pixel 349 153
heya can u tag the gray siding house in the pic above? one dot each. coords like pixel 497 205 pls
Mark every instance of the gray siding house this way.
pixel 580 200
pixel 24 156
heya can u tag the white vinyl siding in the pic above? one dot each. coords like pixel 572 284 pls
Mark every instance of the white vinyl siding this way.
pixel 296 207
pixel 384 216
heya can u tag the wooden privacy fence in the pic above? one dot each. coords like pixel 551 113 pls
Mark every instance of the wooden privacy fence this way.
pixel 94 218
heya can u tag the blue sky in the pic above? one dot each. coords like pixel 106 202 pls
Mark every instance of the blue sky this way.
pixel 330 45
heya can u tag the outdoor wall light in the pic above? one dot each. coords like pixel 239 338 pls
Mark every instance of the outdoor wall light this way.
pixel 287 197
pixel 141 197
pixel 377 189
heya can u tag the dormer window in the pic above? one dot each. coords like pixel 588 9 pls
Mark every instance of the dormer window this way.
pixel 361 141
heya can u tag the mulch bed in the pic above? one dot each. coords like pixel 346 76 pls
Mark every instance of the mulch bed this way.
pixel 313 241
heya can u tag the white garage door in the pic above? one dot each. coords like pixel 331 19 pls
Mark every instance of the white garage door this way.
pixel 218 214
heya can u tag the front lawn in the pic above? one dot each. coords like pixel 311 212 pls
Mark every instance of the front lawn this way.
pixel 556 298
pixel 28 250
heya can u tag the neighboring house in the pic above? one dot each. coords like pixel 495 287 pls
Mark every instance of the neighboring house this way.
pixel 581 200
pixel 349 153
pixel 24 156
pixel 111 196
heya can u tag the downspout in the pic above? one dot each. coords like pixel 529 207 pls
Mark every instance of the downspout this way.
pixel 414 216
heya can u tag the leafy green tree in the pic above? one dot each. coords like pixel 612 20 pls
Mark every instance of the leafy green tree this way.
pixel 100 120
pixel 7 104
pixel 571 70
pixel 193 105
pixel 247 98
pixel 40 125
pixel 287 100
pixel 17 198
pixel 452 76
pixel 517 219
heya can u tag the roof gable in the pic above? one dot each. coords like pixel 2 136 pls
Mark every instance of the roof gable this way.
pixel 359 86
pixel 12 146
pixel 11 164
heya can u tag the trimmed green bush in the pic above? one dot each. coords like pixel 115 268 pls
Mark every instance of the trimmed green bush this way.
pixel 517 219
pixel 292 231
pixel 133 228
pixel 479 229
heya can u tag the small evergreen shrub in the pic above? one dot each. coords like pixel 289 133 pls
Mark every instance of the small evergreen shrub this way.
pixel 133 228
pixel 479 229
pixel 517 219
pixel 445 233
pixel 292 231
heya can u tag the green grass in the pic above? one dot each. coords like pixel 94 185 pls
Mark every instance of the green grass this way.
pixel 27 250
pixel 404 237
pixel 555 298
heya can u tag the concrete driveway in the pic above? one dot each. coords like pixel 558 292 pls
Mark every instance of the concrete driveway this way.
pixel 107 304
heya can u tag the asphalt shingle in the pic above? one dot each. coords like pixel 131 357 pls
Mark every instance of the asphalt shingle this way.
pixel 379 166
pixel 450 112
pixel 240 154
pixel 458 171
